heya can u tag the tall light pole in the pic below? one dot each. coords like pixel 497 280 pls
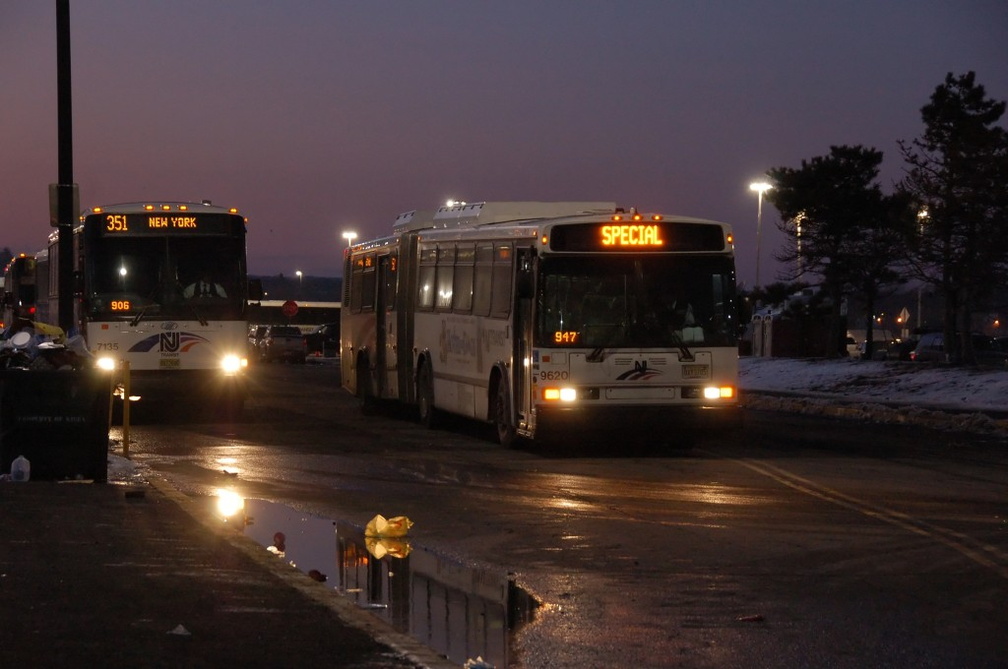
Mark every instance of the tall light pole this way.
pixel 349 236
pixel 65 190
pixel 922 217
pixel 801 265
pixel 760 187
pixel 300 276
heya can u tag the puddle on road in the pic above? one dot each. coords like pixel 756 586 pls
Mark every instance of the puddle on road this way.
pixel 458 611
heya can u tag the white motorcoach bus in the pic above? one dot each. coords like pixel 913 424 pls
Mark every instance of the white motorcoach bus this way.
pixel 539 317
pixel 164 286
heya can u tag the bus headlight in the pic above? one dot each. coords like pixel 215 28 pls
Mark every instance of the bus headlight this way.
pixel 559 394
pixel 232 364
pixel 106 363
pixel 719 393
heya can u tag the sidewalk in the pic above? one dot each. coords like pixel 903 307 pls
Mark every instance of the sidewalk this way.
pixel 117 575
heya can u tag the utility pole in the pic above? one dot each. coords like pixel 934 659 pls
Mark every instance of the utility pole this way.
pixel 66 190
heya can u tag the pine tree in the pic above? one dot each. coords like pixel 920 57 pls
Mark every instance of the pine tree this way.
pixel 957 176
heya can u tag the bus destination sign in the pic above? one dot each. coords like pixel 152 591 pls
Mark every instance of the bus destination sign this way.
pixel 163 223
pixel 631 235
pixel 643 237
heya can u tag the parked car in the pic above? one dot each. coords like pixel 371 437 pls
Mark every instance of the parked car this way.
pixel 255 334
pixel 852 348
pixel 931 348
pixel 902 349
pixel 324 340
pixel 282 342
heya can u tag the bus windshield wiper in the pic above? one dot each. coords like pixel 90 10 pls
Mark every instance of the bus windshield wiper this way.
pixel 140 315
pixel 202 321
pixel 598 353
pixel 684 352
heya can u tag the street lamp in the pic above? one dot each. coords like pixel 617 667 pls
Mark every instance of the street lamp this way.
pixel 760 187
pixel 922 217
pixel 300 277
pixel 349 236
pixel 797 222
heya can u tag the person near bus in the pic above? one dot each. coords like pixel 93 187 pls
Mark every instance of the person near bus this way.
pixel 204 287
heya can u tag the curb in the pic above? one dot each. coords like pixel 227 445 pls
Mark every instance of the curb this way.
pixel 346 611
pixel 938 417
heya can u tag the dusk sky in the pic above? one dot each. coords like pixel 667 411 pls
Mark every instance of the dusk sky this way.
pixel 316 117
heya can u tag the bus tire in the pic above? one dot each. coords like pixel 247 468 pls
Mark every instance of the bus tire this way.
pixel 234 407
pixel 506 432
pixel 425 397
pixel 365 394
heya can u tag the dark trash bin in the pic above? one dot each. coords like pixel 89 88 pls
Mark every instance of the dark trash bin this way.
pixel 58 419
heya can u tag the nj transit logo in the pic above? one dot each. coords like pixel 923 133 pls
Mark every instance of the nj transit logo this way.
pixel 169 342
pixel 639 372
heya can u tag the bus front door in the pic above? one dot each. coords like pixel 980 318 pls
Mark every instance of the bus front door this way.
pixel 385 330
pixel 522 366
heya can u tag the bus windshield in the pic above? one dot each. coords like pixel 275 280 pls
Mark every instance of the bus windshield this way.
pixel 165 277
pixel 649 302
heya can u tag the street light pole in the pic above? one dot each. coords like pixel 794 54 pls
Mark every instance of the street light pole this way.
pixel 760 187
pixel 65 188
pixel 922 216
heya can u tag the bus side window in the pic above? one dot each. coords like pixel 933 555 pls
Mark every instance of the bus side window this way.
pixel 445 276
pixel 482 279
pixel 462 290
pixel 356 284
pixel 428 269
pixel 391 284
pixel 500 304
pixel 368 283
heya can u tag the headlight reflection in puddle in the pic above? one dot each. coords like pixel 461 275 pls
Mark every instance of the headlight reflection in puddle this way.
pixel 229 503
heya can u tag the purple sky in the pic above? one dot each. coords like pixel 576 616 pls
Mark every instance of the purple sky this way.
pixel 315 117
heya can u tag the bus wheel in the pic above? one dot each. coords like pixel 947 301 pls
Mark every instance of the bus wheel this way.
pixel 506 433
pixel 425 397
pixel 234 407
pixel 365 395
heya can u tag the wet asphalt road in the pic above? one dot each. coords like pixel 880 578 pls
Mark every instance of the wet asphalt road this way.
pixel 796 542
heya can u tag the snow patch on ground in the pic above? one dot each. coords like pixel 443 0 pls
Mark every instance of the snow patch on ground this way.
pixel 939 396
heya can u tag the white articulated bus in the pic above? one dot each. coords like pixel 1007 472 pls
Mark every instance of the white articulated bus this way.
pixel 540 317
pixel 162 285
pixel 18 297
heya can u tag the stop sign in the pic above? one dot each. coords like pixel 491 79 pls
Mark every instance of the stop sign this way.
pixel 289 308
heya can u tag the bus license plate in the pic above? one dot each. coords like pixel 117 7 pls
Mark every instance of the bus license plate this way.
pixel 696 371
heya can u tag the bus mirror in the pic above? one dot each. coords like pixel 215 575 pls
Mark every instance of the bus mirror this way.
pixel 524 284
pixel 255 290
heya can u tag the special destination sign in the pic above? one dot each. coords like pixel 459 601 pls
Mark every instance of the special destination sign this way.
pixel 644 237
